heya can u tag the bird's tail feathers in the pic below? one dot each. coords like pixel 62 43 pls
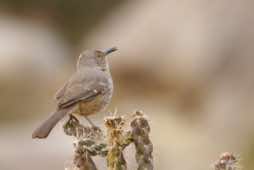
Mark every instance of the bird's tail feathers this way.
pixel 45 128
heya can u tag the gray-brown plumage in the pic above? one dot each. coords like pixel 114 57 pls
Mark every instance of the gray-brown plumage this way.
pixel 87 92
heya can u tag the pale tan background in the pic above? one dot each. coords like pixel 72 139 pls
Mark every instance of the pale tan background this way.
pixel 188 64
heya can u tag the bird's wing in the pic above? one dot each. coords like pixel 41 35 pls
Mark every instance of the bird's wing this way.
pixel 60 92
pixel 83 86
pixel 86 96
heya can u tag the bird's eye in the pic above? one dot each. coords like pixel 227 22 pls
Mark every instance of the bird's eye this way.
pixel 99 53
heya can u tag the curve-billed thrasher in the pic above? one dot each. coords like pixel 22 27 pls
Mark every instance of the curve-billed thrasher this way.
pixel 87 92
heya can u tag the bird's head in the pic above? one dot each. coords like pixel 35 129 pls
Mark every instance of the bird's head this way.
pixel 94 58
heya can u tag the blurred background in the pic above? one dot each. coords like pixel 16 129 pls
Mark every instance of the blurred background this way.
pixel 187 64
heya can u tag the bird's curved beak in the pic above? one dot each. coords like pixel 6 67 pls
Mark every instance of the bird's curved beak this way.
pixel 110 50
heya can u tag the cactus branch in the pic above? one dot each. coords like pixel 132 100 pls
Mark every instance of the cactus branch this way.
pixel 90 141
pixel 144 147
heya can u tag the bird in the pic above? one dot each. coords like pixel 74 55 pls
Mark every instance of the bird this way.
pixel 88 91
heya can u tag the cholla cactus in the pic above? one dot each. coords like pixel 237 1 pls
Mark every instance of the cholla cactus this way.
pixel 118 139
pixel 144 147
pixel 227 161
pixel 90 141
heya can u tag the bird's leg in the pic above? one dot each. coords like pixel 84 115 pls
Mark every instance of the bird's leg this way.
pixel 89 121
pixel 93 126
pixel 73 118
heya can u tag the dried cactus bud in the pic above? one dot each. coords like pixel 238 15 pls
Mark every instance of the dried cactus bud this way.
pixel 227 161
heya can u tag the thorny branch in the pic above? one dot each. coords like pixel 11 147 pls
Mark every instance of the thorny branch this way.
pixel 90 141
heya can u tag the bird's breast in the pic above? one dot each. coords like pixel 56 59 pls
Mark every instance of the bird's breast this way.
pixel 91 107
